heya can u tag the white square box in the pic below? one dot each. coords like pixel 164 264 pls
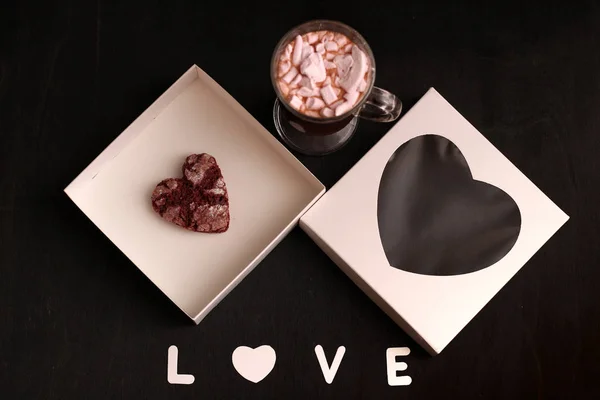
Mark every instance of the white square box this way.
pixel 432 309
pixel 269 189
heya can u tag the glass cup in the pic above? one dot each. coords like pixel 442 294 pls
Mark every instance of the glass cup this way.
pixel 319 136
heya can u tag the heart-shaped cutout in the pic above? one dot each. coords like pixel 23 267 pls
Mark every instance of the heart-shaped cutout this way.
pixel 434 219
pixel 254 364
pixel 198 201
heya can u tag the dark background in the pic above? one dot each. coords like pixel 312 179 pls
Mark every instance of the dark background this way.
pixel 79 320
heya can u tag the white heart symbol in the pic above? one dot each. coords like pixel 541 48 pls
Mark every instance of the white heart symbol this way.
pixel 254 364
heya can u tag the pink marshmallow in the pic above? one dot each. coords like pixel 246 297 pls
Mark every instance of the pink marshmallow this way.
pixel 314 68
pixel 307 50
pixel 305 92
pixel 351 97
pixel 297 54
pixel 291 74
pixel 351 81
pixel 343 108
pixel 341 39
pixel 344 63
pixel 314 103
pixel 331 46
pixel 296 80
pixel 307 83
pixel 284 67
pixel 285 90
pixel 327 37
pixel 363 86
pixel 296 102
pixel 328 94
pixel 312 37
pixel 337 103
pixel 327 112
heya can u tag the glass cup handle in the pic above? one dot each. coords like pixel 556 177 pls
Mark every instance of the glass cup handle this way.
pixel 381 106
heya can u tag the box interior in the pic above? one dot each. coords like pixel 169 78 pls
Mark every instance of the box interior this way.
pixel 268 189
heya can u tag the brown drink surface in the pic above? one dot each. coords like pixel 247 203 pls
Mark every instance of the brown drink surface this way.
pixel 322 74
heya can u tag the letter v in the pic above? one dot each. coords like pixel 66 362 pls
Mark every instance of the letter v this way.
pixel 329 372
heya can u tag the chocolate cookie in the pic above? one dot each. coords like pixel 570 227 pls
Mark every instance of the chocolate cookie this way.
pixel 198 201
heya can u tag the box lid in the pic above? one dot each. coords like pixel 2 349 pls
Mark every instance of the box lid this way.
pixel 430 303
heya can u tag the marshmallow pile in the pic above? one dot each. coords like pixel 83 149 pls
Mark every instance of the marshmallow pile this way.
pixel 322 74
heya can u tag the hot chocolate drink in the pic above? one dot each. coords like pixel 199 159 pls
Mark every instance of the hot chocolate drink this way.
pixel 323 74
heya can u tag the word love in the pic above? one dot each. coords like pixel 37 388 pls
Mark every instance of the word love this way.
pixel 256 364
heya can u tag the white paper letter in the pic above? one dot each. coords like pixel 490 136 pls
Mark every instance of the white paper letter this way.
pixel 254 364
pixel 172 376
pixel 393 366
pixel 329 372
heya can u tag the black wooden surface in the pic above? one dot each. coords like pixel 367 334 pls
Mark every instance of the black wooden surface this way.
pixel 79 320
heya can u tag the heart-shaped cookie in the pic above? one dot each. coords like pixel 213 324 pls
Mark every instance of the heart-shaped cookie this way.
pixel 198 201
pixel 434 219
